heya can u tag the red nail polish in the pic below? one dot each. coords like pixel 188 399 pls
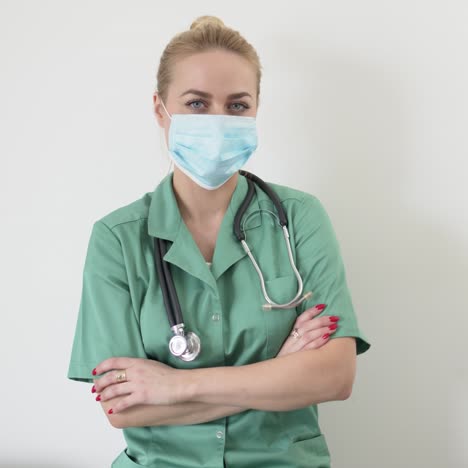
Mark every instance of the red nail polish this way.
pixel 334 318
pixel 98 398
pixel 110 411
pixel 320 306
pixel 94 371
pixel 333 327
pixel 93 390
pixel 326 336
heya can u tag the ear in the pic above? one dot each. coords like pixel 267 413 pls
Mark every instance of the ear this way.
pixel 158 110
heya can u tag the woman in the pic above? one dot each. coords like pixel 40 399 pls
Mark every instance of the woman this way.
pixel 249 397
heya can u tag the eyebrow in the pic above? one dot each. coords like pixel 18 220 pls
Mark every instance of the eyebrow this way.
pixel 208 95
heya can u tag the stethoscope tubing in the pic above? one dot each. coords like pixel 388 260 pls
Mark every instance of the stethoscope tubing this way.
pixel 176 310
pixel 283 220
pixel 164 278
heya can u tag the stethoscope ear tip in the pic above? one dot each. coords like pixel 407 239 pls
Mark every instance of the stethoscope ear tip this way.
pixel 304 297
pixel 308 295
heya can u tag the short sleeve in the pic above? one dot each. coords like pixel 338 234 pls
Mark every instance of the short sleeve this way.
pixel 320 262
pixel 106 325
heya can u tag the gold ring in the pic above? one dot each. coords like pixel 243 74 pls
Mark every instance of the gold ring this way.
pixel 121 376
pixel 295 333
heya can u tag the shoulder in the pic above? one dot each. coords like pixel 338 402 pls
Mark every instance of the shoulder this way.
pixel 305 210
pixel 301 199
pixel 128 214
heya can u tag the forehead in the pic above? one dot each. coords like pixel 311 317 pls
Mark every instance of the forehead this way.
pixel 217 72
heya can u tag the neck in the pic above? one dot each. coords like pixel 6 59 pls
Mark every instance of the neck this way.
pixel 198 205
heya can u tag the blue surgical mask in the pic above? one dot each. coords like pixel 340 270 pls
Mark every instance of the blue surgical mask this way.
pixel 210 148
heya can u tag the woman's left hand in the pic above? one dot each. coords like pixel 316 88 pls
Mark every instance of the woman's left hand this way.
pixel 147 382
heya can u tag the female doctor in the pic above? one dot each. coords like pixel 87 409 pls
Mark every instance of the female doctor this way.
pixel 247 396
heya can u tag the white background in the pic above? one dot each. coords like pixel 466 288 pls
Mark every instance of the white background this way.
pixel 363 104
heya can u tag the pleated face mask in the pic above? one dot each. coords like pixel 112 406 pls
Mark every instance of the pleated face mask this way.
pixel 210 148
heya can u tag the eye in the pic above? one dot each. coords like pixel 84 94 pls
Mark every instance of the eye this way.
pixel 189 104
pixel 243 108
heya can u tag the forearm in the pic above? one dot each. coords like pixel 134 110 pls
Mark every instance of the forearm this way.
pixel 176 414
pixel 284 383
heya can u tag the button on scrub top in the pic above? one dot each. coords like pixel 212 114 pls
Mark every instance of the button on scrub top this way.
pixel 122 313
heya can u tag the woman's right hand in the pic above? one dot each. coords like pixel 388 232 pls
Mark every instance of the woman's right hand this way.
pixel 311 330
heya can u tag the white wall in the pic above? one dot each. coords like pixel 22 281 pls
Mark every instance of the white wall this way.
pixel 364 104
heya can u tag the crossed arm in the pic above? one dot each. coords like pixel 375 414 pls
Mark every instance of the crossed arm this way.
pixel 283 383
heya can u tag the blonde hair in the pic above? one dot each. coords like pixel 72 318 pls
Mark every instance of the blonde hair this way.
pixel 205 33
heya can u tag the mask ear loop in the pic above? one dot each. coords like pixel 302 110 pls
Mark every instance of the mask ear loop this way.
pixel 165 150
pixel 163 143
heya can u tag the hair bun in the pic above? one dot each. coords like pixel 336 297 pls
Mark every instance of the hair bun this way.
pixel 206 20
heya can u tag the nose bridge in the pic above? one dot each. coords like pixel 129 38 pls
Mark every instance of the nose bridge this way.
pixel 217 107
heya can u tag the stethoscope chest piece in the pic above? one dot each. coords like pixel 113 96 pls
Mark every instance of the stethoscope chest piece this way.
pixel 193 347
pixel 186 347
pixel 178 345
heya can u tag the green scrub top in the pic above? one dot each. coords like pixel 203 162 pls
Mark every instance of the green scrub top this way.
pixel 122 313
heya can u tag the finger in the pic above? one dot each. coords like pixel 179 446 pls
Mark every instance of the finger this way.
pixel 308 314
pixel 289 346
pixel 304 322
pixel 318 343
pixel 293 344
pixel 125 403
pixel 108 380
pixel 317 338
pixel 112 391
pixel 318 322
pixel 114 363
pixel 311 336
pixel 317 333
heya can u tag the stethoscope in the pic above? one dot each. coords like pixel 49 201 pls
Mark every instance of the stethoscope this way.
pixel 186 345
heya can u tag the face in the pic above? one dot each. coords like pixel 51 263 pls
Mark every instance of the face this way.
pixel 203 84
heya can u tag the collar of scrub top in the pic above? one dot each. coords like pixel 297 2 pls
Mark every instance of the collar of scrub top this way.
pixel 165 222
